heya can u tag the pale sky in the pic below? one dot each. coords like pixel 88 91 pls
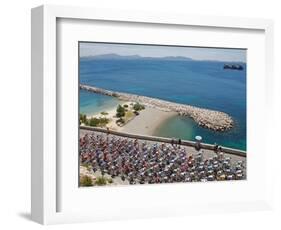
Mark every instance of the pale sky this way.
pixel 196 53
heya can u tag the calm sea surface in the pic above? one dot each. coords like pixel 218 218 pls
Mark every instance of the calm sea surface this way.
pixel 200 83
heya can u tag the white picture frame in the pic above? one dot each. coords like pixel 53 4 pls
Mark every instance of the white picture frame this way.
pixel 46 183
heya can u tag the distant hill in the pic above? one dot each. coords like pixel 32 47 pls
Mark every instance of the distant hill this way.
pixel 113 56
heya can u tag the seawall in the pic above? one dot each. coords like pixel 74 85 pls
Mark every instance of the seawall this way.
pixel 206 146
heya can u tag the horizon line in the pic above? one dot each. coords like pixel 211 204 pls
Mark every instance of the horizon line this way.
pixel 151 57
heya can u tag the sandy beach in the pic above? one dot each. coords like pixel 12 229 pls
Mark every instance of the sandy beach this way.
pixel 147 121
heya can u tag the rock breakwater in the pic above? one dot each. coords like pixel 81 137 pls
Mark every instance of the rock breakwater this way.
pixel 211 119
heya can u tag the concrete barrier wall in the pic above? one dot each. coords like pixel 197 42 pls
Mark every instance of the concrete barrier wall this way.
pixel 236 152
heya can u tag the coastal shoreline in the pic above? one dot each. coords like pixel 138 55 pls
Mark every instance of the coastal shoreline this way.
pixel 211 119
pixel 146 122
pixel 111 115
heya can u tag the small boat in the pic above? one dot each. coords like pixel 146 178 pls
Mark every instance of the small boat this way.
pixel 233 66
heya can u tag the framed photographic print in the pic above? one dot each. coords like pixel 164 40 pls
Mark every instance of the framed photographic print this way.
pixel 140 114
pixel 150 92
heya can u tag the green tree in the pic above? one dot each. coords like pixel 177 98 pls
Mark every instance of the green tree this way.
pixel 138 107
pixel 83 118
pixel 93 121
pixel 120 111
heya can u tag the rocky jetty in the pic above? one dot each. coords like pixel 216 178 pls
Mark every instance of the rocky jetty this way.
pixel 211 119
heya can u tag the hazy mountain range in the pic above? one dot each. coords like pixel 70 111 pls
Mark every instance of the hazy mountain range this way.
pixel 135 57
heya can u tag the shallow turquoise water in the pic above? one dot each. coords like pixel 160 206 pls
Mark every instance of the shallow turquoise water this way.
pixel 186 129
pixel 91 103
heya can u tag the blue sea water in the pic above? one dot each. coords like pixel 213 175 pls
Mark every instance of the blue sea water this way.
pixel 200 83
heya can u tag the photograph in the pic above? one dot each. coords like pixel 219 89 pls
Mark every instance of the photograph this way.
pixel 154 114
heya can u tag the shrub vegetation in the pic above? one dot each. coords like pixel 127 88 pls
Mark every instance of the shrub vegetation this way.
pixel 93 121
pixel 138 107
pixel 100 181
pixel 120 120
pixel 86 181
